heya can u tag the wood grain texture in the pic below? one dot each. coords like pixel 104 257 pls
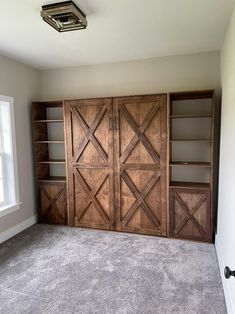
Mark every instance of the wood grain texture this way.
pixel 51 191
pixel 118 166
pixel 193 204
pixel 52 202
pixel 190 214
pixel 89 141
pixel 140 144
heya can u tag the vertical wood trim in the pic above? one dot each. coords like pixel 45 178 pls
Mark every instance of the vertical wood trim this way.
pixel 69 161
pixel 171 212
pixel 168 156
pixel 213 163
pixel 111 164
pixel 117 182
pixel 164 165
pixel 66 169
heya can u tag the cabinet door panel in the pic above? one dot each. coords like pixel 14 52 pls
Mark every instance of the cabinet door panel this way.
pixel 190 214
pixel 89 138
pixel 52 202
pixel 140 164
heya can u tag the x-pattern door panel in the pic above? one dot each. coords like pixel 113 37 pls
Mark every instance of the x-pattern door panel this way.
pixel 52 202
pixel 90 162
pixel 190 214
pixel 140 161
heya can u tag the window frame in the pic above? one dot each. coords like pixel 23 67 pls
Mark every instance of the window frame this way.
pixel 9 207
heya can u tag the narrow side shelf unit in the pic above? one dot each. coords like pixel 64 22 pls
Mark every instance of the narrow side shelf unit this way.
pixel 192 119
pixel 49 151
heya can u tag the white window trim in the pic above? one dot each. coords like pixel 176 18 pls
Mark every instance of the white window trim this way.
pixel 10 208
pixel 6 210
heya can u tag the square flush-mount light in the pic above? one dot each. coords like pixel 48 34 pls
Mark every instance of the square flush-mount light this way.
pixel 64 16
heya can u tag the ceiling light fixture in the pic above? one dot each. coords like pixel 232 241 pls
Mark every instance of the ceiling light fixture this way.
pixel 64 16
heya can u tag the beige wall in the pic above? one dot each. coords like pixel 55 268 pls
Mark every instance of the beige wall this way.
pixel 22 83
pixel 186 72
pixel 225 239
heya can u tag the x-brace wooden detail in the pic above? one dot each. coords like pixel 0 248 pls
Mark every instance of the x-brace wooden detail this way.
pixel 140 199
pixel 189 216
pixel 139 133
pixel 52 201
pixel 92 196
pixel 89 136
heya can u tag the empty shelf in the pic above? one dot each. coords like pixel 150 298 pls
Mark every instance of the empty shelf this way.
pixel 189 185
pixel 53 179
pixel 190 163
pixel 52 161
pixel 48 121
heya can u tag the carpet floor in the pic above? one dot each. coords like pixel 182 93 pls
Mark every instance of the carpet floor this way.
pixel 53 269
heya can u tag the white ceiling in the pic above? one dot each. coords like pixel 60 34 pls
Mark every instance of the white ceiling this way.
pixel 117 30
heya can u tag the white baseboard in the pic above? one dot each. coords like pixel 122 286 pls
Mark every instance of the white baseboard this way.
pixel 18 228
pixel 227 293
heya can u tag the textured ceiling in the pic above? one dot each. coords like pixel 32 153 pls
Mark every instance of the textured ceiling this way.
pixel 117 31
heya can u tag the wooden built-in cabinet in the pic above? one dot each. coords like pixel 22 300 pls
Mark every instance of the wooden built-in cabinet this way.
pixel 49 151
pixel 143 164
pixel 192 165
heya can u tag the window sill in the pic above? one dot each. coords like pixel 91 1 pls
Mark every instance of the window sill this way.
pixel 8 209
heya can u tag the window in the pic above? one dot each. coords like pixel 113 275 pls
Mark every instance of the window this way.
pixel 9 189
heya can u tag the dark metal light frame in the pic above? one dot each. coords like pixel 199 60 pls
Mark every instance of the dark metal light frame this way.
pixel 64 16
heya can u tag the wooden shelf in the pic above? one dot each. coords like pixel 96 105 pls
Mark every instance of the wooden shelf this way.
pixel 53 179
pixel 190 164
pixel 189 185
pixel 49 142
pixel 53 161
pixel 191 140
pixel 190 116
pixel 48 121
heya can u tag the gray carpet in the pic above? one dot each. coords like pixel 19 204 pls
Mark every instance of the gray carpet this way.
pixel 52 269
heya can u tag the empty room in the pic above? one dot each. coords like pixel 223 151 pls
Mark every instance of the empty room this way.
pixel 117 157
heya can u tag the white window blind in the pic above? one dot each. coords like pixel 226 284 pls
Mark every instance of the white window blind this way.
pixel 9 190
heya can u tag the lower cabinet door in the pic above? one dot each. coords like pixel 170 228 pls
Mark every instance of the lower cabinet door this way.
pixel 190 214
pixel 52 202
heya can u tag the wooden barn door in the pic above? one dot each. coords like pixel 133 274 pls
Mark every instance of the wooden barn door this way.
pixel 89 140
pixel 140 164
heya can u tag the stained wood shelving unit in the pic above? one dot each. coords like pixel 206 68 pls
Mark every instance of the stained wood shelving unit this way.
pixel 48 132
pixel 191 168
pixel 137 164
